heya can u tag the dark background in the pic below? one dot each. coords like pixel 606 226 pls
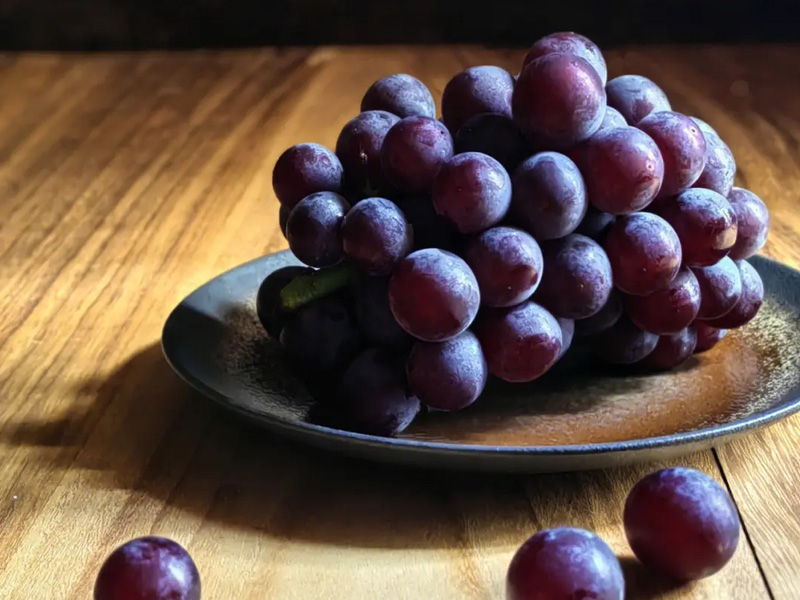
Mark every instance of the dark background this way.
pixel 116 24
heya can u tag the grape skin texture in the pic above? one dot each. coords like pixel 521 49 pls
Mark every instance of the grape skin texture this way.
pixel 577 278
pixel 752 219
pixel 613 118
pixel 595 224
pixel 565 563
pixel 707 336
pixel 668 310
pixel 268 298
pixel 148 568
pixel 520 343
pixel 568 42
pixel 644 251
pixel 751 300
pixel 448 375
pixel 374 317
pixel 623 343
pixel 433 295
pixel 681 522
pixel 314 229
pixel 720 168
pixel 413 152
pixel 477 90
pixel 376 235
pixel 682 147
pixel 306 169
pixel 495 135
pixel 720 288
pixel 567 334
pixel 635 97
pixel 401 95
pixel 604 318
pixel 672 350
pixel 507 264
pixel 548 196
pixel 359 148
pixel 559 100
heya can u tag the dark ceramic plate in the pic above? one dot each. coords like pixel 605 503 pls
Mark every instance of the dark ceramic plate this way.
pixel 579 416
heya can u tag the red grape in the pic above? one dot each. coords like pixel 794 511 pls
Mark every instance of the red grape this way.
pixel 749 303
pixel 359 148
pixel 635 97
pixel 413 152
pixel 565 564
pixel 401 95
pixel 507 264
pixel 682 147
pixel 520 343
pixel 306 169
pixel 644 252
pixel 148 568
pixel 623 343
pixel 448 375
pixel 720 166
pixel 559 100
pixel 433 295
pixel 681 522
pixel 707 336
pixel 472 192
pixel 752 219
pixel 612 119
pixel 705 223
pixel 374 316
pixel 314 229
pixel 595 224
pixel 549 197
pixel 604 318
pixel 568 42
pixel 567 334
pixel 577 279
pixel 495 135
pixel 268 298
pixel 667 310
pixel 672 350
pixel 622 168
pixel 720 288
pixel 430 230
pixel 376 235
pixel 477 90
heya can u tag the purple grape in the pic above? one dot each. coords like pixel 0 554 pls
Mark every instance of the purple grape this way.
pixel 283 218
pixel 376 235
pixel 720 166
pixel 595 224
pixel 603 319
pixel 268 298
pixel 667 310
pixel 507 264
pixel 520 343
pixel 549 197
pixel 623 343
pixel 751 300
pixel 374 316
pixel 433 295
pixel 720 288
pixel 577 279
pixel 448 375
pixel 303 170
pixel 707 336
pixel 672 350
pixel 148 568
pixel 359 150
pixel 567 334
pixel 568 42
pixel 314 229
pixel 559 100
pixel 401 95
pixel 477 90
pixel 472 192
pixel 430 230
pixel 495 135
pixel 752 219
pixel 413 152
pixel 612 119
pixel 635 97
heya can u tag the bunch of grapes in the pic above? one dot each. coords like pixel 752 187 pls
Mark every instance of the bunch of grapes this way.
pixel 538 208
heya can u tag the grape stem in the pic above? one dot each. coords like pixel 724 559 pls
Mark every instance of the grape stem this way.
pixel 307 288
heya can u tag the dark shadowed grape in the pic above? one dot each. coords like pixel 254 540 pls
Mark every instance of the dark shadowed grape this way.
pixel 401 95
pixel 430 230
pixel 751 300
pixel 559 100
pixel 567 334
pixel 635 97
pixel 448 375
pixel 374 317
pixel 314 229
pixel 681 522
pixel 148 568
pixel 577 277
pixel 707 336
pixel 433 295
pixel 568 42
pixel 507 263
pixel 613 118
pixel 413 152
pixel 720 166
pixel 667 310
pixel 720 288
pixel 477 90
pixel 672 350
pixel 472 192
pixel 495 135
pixel 520 343
pixel 644 252
pixel 565 564
pixel 268 298
pixel 682 147
pixel 623 343
pixel 622 169
pixel 752 219
pixel 549 197
pixel 359 150
pixel 306 169
pixel 595 224
pixel 376 235
pixel 705 223
pixel 604 318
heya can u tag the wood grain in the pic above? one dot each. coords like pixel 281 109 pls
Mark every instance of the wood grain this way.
pixel 128 180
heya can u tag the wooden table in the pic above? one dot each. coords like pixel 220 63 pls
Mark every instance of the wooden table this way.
pixel 128 180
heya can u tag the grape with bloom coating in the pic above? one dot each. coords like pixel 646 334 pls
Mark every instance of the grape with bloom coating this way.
pixel 613 118
pixel 635 97
pixel 314 229
pixel 667 310
pixel 752 220
pixel 376 235
pixel 567 334
pixel 720 168
pixel 707 336
pixel 623 343
pixel 720 288
pixel 672 350
pixel 568 42
pixel 604 318
pixel 477 90
pixel 401 95
pixel 413 152
pixel 359 150
pixel 751 300
pixel 306 169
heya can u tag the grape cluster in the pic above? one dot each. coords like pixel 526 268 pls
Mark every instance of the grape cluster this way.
pixel 555 203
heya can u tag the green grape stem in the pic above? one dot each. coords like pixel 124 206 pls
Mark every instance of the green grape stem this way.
pixel 321 283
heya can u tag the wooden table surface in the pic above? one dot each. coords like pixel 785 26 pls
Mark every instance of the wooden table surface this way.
pixel 127 180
